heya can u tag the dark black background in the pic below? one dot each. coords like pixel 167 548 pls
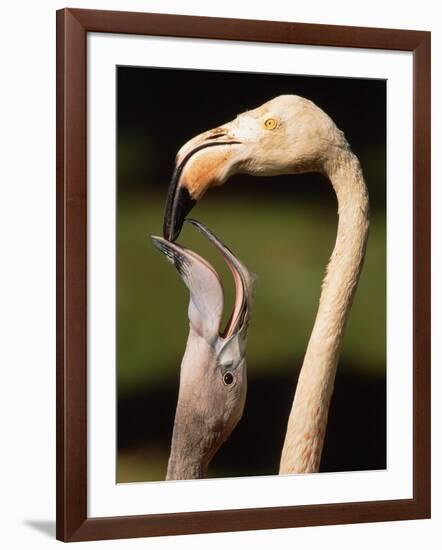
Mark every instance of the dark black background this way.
pixel 175 105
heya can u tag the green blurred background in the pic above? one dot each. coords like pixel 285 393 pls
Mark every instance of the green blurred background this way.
pixel 283 229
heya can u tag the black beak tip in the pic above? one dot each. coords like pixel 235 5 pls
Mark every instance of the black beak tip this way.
pixel 171 233
pixel 179 204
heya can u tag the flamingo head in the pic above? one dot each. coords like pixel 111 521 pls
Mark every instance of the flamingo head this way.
pixel 288 134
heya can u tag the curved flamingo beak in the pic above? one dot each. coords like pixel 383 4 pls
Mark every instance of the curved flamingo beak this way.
pixel 201 163
pixel 204 284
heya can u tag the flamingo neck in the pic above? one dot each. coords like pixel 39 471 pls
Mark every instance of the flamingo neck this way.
pixel 185 466
pixel 186 461
pixel 191 448
pixel 308 417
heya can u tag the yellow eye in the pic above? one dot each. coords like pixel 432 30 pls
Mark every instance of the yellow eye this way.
pixel 270 124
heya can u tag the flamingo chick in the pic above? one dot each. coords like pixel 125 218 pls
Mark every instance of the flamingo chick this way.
pixel 213 379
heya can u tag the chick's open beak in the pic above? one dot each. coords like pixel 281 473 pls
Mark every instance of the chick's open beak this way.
pixel 201 163
pixel 204 284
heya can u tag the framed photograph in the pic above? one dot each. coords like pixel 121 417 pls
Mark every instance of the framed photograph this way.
pixel 243 274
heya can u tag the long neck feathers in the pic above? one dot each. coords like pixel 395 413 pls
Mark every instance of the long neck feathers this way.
pixel 190 448
pixel 308 417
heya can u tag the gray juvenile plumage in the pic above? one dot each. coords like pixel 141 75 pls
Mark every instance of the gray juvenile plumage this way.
pixel 213 378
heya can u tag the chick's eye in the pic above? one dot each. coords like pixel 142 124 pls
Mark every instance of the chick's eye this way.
pixel 270 124
pixel 228 378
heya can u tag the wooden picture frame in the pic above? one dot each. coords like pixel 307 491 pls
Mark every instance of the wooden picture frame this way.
pixel 73 523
